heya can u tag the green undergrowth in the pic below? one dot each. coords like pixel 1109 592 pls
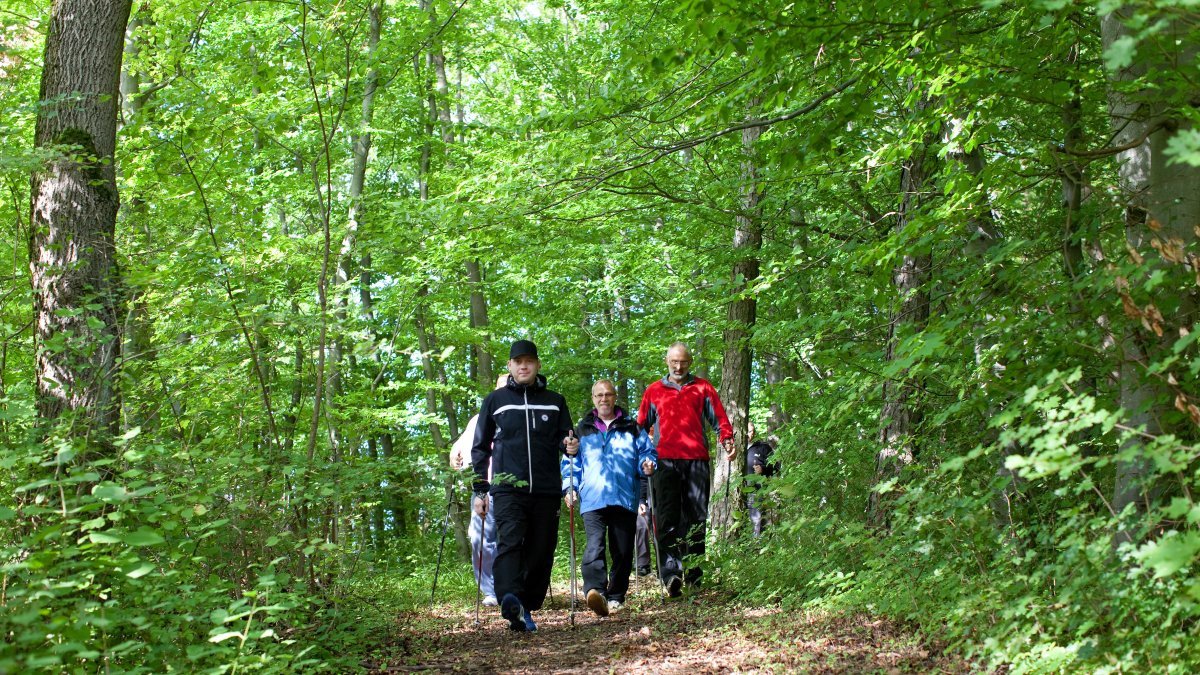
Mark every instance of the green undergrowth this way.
pixel 136 563
pixel 1057 600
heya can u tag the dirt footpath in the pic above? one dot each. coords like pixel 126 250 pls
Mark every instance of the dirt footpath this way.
pixel 706 632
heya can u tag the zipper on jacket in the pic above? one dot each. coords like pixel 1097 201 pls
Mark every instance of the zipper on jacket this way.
pixel 528 441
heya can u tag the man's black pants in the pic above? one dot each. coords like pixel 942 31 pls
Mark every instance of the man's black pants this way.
pixel 617 525
pixel 526 534
pixel 681 515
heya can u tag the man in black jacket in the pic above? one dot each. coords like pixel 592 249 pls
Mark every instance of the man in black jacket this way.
pixel 523 430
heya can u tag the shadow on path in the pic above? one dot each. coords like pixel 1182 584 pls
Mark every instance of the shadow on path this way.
pixel 704 632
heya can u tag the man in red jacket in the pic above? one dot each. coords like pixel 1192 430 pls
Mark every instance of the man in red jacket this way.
pixel 674 410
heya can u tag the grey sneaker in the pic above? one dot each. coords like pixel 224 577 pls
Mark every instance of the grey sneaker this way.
pixel 614 605
pixel 489 601
pixel 597 603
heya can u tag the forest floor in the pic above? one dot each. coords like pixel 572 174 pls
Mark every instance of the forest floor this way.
pixel 702 632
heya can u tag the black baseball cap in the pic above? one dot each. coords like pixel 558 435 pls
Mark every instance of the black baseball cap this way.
pixel 522 348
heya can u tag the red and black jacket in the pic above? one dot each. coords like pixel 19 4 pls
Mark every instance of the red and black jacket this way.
pixel 675 416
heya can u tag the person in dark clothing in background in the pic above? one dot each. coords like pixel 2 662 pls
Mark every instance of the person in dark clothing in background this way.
pixel 759 466
pixel 522 430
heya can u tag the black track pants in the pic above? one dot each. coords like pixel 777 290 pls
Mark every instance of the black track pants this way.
pixel 616 525
pixel 526 534
pixel 681 514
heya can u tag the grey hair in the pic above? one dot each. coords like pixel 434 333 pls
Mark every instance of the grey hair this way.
pixel 679 345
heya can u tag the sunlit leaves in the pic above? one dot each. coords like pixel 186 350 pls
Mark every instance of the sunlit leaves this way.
pixel 1170 553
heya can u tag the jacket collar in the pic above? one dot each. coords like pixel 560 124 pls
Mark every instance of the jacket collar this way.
pixel 691 377
pixel 594 418
pixel 539 383
pixel 590 420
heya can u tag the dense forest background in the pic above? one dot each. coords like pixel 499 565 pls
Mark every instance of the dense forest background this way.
pixel 272 254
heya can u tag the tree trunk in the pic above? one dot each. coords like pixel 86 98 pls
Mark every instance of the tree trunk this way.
pixel 738 362
pixel 982 236
pixel 901 413
pixel 72 256
pixel 439 118
pixel 137 333
pixel 778 371
pixel 424 343
pixel 1162 207
pixel 360 142
pixel 1072 179
pixel 484 368
pixel 622 373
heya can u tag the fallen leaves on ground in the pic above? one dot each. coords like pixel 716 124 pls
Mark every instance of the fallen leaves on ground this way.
pixel 701 633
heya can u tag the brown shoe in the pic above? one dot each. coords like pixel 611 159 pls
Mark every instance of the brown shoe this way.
pixel 597 602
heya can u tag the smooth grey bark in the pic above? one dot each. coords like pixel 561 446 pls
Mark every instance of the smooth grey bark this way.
pixel 481 353
pixel 438 96
pixel 901 412
pixel 622 373
pixel 982 235
pixel 360 151
pixel 74 204
pixel 425 344
pixel 137 331
pixel 1162 207
pixel 1072 178
pixel 484 367
pixel 738 360
pixel 778 370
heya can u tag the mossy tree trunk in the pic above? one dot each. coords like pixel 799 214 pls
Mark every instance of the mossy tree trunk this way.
pixel 72 256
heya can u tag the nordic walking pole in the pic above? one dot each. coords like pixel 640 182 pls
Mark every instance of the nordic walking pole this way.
pixel 728 506
pixel 441 547
pixel 654 531
pixel 479 564
pixel 571 520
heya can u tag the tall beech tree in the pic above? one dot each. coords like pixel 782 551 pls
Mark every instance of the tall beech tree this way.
pixel 1161 202
pixel 738 360
pixel 902 406
pixel 72 254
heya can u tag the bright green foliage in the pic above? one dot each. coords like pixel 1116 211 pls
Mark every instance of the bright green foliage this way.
pixel 276 490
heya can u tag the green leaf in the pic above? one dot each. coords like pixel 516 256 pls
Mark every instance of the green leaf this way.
pixel 110 492
pixel 140 570
pixel 1171 553
pixel 103 538
pixel 143 537
pixel 1185 341
pixel 1120 53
